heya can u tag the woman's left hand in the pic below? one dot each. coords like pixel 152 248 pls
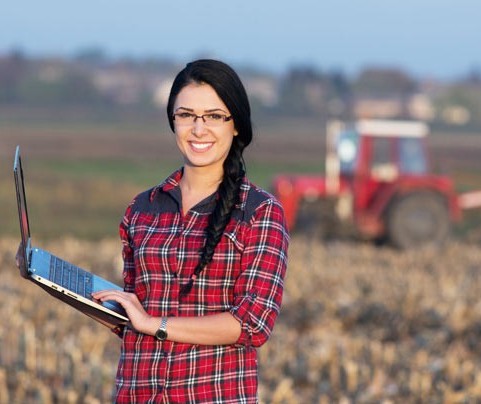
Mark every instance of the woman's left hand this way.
pixel 138 317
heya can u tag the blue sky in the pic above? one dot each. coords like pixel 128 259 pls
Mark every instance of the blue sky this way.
pixel 435 38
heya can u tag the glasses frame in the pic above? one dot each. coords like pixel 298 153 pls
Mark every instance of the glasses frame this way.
pixel 225 118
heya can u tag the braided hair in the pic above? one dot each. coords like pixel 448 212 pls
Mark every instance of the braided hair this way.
pixel 228 86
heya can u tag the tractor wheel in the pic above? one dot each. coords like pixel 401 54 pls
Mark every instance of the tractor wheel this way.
pixel 417 220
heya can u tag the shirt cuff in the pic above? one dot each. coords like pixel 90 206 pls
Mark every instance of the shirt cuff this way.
pixel 242 312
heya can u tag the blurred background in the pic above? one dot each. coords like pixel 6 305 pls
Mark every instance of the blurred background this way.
pixel 83 89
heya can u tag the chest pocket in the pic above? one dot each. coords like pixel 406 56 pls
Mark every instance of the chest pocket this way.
pixel 236 234
pixel 226 263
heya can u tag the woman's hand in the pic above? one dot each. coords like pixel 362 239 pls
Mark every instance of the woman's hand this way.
pixel 139 318
pixel 19 256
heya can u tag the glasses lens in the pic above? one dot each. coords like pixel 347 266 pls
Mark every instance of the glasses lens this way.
pixel 184 118
pixel 214 119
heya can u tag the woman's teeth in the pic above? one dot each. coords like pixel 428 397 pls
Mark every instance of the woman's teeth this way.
pixel 201 146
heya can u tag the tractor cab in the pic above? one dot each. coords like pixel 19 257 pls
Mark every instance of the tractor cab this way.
pixel 377 150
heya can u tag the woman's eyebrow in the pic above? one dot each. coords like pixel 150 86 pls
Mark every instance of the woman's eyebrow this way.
pixel 187 109
pixel 215 109
pixel 205 110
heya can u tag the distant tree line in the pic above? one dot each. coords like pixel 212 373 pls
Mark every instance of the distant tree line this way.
pixel 91 79
pixel 23 83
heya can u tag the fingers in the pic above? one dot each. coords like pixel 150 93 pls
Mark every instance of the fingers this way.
pixel 119 296
pixel 19 257
pixel 108 295
pixel 129 301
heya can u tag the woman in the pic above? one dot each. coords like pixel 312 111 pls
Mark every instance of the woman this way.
pixel 204 257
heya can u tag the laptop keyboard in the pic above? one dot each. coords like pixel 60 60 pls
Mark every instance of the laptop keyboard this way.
pixel 71 277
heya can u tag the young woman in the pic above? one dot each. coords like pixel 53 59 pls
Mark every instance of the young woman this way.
pixel 204 257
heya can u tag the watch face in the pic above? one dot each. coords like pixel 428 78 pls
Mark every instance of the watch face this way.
pixel 161 335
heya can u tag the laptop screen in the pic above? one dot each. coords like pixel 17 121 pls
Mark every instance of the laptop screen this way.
pixel 22 211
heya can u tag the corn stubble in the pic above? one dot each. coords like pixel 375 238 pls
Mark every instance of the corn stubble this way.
pixel 359 324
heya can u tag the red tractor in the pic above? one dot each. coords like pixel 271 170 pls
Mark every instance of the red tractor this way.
pixel 379 182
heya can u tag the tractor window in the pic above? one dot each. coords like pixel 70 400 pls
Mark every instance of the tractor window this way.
pixel 382 163
pixel 411 156
pixel 381 151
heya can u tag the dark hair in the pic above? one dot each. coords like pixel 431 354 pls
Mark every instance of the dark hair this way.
pixel 228 86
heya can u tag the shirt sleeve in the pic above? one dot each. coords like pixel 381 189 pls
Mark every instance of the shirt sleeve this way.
pixel 258 290
pixel 128 258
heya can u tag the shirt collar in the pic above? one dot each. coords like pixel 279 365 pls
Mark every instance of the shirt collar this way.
pixel 172 182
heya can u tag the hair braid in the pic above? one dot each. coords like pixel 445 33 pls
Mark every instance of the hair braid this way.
pixel 228 86
pixel 229 190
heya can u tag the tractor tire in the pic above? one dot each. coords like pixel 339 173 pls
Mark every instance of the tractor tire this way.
pixel 417 220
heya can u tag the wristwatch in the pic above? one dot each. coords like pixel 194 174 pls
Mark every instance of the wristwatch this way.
pixel 161 333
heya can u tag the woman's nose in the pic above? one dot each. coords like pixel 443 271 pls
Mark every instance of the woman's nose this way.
pixel 199 126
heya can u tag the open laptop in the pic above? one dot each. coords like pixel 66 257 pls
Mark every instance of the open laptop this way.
pixel 66 282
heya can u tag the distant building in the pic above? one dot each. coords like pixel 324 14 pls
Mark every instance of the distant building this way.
pixel 386 108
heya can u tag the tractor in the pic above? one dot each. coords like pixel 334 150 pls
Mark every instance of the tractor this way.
pixel 378 185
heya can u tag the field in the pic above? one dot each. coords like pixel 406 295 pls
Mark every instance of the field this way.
pixel 360 324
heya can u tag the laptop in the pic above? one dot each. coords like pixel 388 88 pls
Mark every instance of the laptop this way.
pixel 63 280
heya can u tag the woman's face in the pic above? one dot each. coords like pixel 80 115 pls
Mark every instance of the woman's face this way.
pixel 201 144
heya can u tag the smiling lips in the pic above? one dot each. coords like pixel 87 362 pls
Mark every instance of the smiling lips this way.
pixel 201 147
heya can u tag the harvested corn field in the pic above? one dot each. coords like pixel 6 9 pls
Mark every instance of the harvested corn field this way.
pixel 359 324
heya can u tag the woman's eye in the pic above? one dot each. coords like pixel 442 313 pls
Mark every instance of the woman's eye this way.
pixel 185 115
pixel 215 117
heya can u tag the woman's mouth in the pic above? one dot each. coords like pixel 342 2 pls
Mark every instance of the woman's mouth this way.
pixel 201 146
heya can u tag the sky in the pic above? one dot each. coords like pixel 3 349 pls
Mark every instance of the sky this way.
pixel 428 38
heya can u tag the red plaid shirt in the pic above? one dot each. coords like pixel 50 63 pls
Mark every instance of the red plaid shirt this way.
pixel 245 278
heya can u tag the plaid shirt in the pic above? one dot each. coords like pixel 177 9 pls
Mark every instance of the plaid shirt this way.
pixel 160 250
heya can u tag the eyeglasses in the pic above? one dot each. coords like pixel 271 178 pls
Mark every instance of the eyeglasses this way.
pixel 210 119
